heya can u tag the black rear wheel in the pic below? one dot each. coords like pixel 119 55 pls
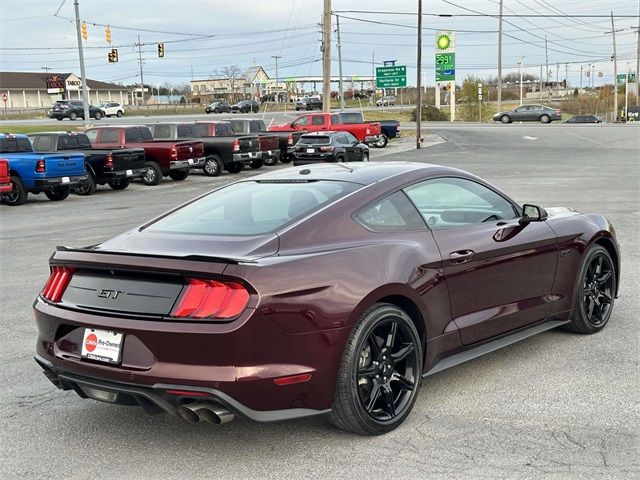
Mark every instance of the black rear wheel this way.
pixel 382 141
pixel 86 187
pixel 17 195
pixel 545 119
pixel 153 175
pixel 73 116
pixel 57 194
pixel 235 167
pixel 255 164
pixel 595 292
pixel 178 175
pixel 379 376
pixel 213 166
pixel 272 160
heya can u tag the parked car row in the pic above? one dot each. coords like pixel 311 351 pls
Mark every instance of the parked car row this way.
pixel 243 106
pixel 74 109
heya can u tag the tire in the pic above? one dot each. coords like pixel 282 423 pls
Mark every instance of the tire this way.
pixel 59 119
pixel 73 116
pixel 153 175
pixel 339 159
pixel 545 119
pixel 119 114
pixel 381 367
pixel 365 156
pixel 57 194
pixel 178 175
pixel 505 119
pixel 213 166
pixel 87 187
pixel 270 162
pixel 119 184
pixel 382 142
pixel 17 195
pixel 235 167
pixel 286 158
pixel 255 164
pixel 97 116
pixel 594 293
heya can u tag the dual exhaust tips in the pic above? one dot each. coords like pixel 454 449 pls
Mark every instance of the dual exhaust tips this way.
pixel 205 412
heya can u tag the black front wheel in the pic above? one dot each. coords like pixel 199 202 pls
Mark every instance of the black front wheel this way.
pixel 379 376
pixel 365 156
pixel 178 175
pixel 57 194
pixel 595 292
pixel 545 119
pixel 98 116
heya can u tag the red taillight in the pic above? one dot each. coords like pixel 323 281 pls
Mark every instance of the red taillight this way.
pixel 236 146
pixel 188 393
pixel 41 166
pixel 326 149
pixel 108 161
pixel 173 153
pixel 292 379
pixel 57 283
pixel 290 140
pixel 211 299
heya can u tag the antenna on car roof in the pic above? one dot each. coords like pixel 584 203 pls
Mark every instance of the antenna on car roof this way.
pixel 345 167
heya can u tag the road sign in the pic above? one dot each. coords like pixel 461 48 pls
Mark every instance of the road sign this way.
pixel 391 77
pixel 5 97
pixel 445 41
pixel 621 78
pixel 445 56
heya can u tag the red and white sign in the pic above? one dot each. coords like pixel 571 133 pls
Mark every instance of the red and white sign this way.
pixel 5 97
pixel 102 345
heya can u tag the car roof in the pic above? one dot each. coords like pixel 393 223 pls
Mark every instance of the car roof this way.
pixel 323 133
pixel 13 135
pixel 364 173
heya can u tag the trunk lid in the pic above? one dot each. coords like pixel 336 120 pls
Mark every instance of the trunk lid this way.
pixel 64 164
pixel 249 144
pixel 269 142
pixel 128 158
pixel 189 149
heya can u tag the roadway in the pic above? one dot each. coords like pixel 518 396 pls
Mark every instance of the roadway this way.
pixel 557 405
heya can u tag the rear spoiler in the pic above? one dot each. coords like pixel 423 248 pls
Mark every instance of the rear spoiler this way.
pixel 142 261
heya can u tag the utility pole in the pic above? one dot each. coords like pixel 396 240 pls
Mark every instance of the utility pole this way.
pixel 566 76
pixel 540 96
pixel 83 78
pixel 638 58
pixel 500 58
pixel 546 63
pixel 419 80
pixel 626 92
pixel 277 78
pixel 557 77
pixel 340 88
pixel 615 69
pixel 326 57
pixel 521 65
pixel 580 91
pixel 139 45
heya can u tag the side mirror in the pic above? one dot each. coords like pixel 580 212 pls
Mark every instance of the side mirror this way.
pixel 292 124
pixel 532 213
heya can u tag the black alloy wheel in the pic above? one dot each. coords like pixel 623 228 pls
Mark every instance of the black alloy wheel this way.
pixel 595 292
pixel 86 187
pixel 17 195
pixel 379 377
pixel 57 194
pixel 120 113
pixel 98 116
pixel 73 116
pixel 365 156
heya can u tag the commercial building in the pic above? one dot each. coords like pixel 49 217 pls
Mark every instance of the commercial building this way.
pixel 38 90
pixel 231 88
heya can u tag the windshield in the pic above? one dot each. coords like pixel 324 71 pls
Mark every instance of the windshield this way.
pixel 252 208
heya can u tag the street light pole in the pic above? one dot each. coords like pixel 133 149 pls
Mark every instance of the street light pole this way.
pixel 326 57
pixel 141 75
pixel 521 67
pixel 419 79
pixel 615 69
pixel 277 78
pixel 340 87
pixel 499 58
pixel 83 79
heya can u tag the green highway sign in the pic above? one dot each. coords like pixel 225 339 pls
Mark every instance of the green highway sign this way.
pixel 621 79
pixel 391 77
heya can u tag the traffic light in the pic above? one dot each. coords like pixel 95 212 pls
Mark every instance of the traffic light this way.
pixel 107 35
pixel 161 50
pixel 113 55
pixel 83 31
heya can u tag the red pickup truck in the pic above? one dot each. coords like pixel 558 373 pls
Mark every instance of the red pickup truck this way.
pixel 5 181
pixel 314 122
pixel 163 157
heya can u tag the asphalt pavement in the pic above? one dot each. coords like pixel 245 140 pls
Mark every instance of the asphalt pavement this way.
pixel 557 405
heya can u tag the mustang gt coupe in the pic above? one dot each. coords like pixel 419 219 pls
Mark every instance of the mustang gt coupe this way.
pixel 325 289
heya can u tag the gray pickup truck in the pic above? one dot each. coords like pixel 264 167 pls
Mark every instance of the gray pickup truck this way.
pixel 223 148
pixel 269 141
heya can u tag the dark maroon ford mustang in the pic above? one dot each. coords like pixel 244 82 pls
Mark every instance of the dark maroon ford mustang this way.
pixel 330 289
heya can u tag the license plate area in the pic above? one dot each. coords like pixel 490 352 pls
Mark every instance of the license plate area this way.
pixel 310 150
pixel 66 179
pixel 129 173
pixel 102 345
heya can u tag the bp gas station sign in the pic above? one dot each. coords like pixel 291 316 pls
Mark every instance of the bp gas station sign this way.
pixel 445 56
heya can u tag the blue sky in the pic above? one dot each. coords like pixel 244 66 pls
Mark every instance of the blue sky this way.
pixel 248 32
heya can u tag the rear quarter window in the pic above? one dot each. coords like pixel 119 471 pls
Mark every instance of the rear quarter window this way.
pixel 162 131
pixel 394 213
pixel 184 131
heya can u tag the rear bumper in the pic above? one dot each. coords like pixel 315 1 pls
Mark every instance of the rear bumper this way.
pixel 155 398
pixel 247 157
pixel 269 153
pixel 5 187
pixel 186 163
pixel 118 174
pixel 47 183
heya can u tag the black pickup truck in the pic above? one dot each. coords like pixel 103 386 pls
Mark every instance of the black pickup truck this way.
pixel 223 149
pixel 388 128
pixel 115 167
pixel 269 141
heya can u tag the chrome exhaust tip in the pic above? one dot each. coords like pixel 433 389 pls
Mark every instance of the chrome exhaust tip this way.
pixel 187 414
pixel 205 412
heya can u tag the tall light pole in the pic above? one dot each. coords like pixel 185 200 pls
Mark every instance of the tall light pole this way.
pixel 340 87
pixel 521 68
pixel 277 78
pixel 83 78
pixel 500 58
pixel 638 58
pixel 326 56
pixel 626 92
pixel 615 69
pixel 419 79
pixel 139 44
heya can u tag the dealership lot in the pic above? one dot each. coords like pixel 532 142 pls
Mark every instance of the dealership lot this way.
pixel 555 406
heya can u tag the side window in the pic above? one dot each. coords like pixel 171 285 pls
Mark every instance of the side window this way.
pixel 302 121
pixel 184 131
pixel 145 134
pixel 457 202
pixel 67 142
pixel 393 213
pixel 254 126
pixel 317 120
pixel 24 145
pixel 162 131
pixel 83 141
pixel 349 138
pixel 335 119
pixel 131 135
pixel 91 135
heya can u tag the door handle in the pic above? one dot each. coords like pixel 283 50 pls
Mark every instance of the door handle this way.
pixel 461 256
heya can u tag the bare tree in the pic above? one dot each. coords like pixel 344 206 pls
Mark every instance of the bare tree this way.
pixel 234 76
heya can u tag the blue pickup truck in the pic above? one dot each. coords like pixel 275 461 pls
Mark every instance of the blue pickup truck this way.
pixel 53 174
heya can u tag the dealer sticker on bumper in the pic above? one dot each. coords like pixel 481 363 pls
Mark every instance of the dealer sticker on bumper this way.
pixel 129 173
pixel 66 179
pixel 102 345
